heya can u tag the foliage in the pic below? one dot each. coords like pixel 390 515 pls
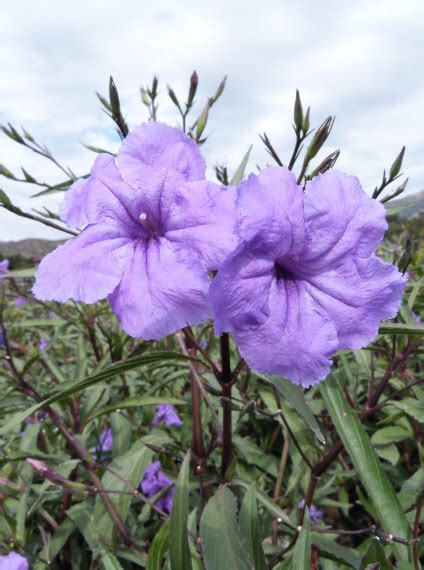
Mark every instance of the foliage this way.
pixel 331 477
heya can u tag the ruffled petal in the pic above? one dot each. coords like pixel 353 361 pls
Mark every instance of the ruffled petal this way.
pixel 156 144
pixel 103 195
pixel 341 219
pixel 296 341
pixel 271 209
pixel 164 290
pixel 240 291
pixel 357 295
pixel 201 216
pixel 86 268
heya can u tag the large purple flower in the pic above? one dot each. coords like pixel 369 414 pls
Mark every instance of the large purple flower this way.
pixel 153 228
pixel 13 561
pixel 155 480
pixel 305 282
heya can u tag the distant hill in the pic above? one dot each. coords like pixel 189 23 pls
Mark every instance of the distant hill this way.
pixel 31 249
pixel 415 205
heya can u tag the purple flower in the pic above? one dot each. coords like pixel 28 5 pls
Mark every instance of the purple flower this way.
pixel 305 282
pixel 20 302
pixel 4 266
pixel 43 344
pixel 153 228
pixel 105 443
pixel 153 482
pixel 13 561
pixel 2 340
pixel 168 414
pixel 314 513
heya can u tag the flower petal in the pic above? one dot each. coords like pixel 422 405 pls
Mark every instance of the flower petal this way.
pixel 103 195
pixel 271 209
pixel 201 217
pixel 164 290
pixel 239 293
pixel 357 295
pixel 341 219
pixel 296 341
pixel 156 144
pixel 86 268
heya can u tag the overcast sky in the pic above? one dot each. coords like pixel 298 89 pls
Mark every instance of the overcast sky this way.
pixel 362 61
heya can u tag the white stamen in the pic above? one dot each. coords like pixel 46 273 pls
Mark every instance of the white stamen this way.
pixel 143 217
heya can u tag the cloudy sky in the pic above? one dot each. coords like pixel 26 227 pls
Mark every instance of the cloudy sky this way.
pixel 361 61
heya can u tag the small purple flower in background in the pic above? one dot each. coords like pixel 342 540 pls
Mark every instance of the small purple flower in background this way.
pixel 13 561
pixel 43 344
pixel 105 444
pixel 415 318
pixel 168 414
pixel 20 302
pixel 314 513
pixel 305 282
pixel 4 266
pixel 154 227
pixel 2 340
pixel 153 482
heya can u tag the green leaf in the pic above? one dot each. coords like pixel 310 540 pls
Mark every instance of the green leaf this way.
pixel 129 468
pixel 178 540
pixel 295 396
pixel 402 328
pixel 137 402
pixel 69 388
pixel 393 209
pixel 121 431
pixel 367 465
pixel 239 173
pixel 19 274
pixel 109 561
pixel 60 537
pixel 390 434
pixel 412 407
pixel 223 545
pixel 302 549
pixel 21 517
pixel 159 548
pixel 375 553
pixel 249 525
pixel 333 551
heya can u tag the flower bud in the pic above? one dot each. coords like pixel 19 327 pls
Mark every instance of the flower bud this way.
pixel 326 164
pixel 320 137
pixel 306 122
pixel 28 135
pixel 203 119
pixel 144 96
pixel 114 97
pixel 298 112
pixel 194 80
pixel 173 97
pixel 397 165
pixel 28 176
pixel 44 470
pixel 6 172
pixel 219 90
pixel 154 90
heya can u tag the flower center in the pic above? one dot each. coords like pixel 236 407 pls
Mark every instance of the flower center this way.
pixel 283 272
pixel 149 224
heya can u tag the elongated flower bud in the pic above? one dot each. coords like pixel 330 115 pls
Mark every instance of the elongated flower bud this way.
pixel 397 165
pixel 298 112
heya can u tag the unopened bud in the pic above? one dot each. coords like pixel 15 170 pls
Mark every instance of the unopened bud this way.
pixel 28 135
pixel 397 165
pixel 298 112
pixel 114 97
pixel 396 193
pixel 104 102
pixel 44 470
pixel 6 172
pixel 306 122
pixel 194 80
pixel 326 164
pixel 154 90
pixel 173 97
pixel 320 137
pixel 203 119
pixel 144 96
pixel 219 90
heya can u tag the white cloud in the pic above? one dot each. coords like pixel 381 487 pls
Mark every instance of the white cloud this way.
pixel 359 61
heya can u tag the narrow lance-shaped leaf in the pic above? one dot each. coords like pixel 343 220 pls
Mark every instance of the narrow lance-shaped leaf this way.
pixel 239 173
pixel 302 549
pixel 249 525
pixel 366 463
pixel 159 548
pixel 178 540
